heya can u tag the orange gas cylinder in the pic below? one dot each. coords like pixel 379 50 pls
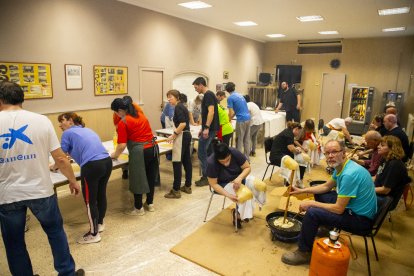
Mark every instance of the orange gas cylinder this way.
pixel 329 258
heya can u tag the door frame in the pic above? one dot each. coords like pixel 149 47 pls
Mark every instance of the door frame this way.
pixel 343 93
pixel 141 69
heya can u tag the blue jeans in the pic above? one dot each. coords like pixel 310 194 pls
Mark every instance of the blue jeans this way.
pixel 315 217
pixel 13 220
pixel 204 150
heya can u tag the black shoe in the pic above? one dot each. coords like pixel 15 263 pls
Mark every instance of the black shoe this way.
pixel 239 226
pixel 202 182
pixel 80 272
pixel 125 174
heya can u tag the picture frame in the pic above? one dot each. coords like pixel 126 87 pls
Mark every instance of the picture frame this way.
pixel 73 77
pixel 110 80
pixel 35 79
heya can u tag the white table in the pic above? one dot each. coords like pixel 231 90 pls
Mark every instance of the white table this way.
pixel 58 179
pixel 274 122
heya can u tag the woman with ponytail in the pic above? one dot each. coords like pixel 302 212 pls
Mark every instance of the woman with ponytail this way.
pixel 86 148
pixel 134 132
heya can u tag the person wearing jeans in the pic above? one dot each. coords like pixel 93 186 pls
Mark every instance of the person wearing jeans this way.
pixel 209 125
pixel 351 208
pixel 25 182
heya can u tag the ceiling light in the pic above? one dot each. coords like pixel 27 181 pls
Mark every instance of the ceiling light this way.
pixel 394 11
pixel 396 29
pixel 195 5
pixel 245 23
pixel 309 18
pixel 275 35
pixel 328 32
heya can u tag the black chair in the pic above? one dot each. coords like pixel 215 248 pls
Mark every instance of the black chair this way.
pixel 383 208
pixel 321 123
pixel 268 142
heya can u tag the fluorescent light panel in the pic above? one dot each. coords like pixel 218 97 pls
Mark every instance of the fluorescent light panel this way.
pixel 328 32
pixel 396 29
pixel 309 18
pixel 275 35
pixel 195 5
pixel 245 23
pixel 394 11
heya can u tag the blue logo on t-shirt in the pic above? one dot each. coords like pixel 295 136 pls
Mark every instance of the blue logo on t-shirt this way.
pixel 13 136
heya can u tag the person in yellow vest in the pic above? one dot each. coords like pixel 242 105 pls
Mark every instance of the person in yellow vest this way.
pixel 226 129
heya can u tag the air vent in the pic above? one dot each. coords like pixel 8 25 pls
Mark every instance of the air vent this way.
pixel 320 46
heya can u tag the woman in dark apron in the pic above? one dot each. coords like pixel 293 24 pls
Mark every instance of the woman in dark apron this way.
pixel 134 132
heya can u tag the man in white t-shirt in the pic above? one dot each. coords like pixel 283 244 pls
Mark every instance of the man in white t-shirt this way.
pixel 338 125
pixel 256 122
pixel 26 139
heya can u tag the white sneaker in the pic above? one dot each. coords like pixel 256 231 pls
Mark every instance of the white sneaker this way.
pixel 101 228
pixel 89 238
pixel 149 207
pixel 136 212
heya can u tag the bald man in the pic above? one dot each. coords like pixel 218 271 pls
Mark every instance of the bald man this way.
pixel 372 140
pixel 390 123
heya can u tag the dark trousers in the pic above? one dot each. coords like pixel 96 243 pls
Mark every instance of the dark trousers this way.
pixel 186 161
pixel 315 217
pixel 227 138
pixel 13 220
pixel 152 171
pixel 293 115
pixel 94 179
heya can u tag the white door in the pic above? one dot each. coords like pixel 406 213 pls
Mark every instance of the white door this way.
pixel 151 94
pixel 332 96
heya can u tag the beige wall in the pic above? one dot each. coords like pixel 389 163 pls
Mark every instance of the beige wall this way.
pixel 384 63
pixel 108 32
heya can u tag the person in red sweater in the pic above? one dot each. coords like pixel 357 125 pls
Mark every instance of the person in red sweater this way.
pixel 135 133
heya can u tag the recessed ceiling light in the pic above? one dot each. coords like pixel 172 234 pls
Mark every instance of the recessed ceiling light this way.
pixel 275 35
pixel 245 23
pixel 396 29
pixel 309 18
pixel 195 5
pixel 394 11
pixel 328 32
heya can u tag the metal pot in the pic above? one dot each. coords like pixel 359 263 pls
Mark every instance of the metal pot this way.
pixel 281 233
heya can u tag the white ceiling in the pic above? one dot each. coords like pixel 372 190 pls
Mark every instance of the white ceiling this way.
pixel 351 18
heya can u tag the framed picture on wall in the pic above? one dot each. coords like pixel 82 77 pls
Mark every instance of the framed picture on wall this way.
pixel 34 78
pixel 110 80
pixel 73 76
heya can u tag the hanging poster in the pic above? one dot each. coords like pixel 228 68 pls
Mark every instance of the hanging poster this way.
pixel 73 76
pixel 110 80
pixel 34 78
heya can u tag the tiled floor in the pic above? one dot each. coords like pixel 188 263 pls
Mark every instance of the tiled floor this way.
pixel 132 245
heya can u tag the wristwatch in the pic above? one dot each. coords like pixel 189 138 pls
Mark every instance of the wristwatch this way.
pixel 206 127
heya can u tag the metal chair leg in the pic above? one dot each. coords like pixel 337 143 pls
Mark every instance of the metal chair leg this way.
pixel 224 202
pixel 236 214
pixel 265 172
pixel 394 245
pixel 272 172
pixel 208 207
pixel 375 248
pixel 367 253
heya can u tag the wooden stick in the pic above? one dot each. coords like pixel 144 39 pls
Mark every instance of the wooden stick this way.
pixel 161 141
pixel 289 190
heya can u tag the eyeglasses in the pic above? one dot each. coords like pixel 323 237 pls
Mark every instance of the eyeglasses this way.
pixel 334 153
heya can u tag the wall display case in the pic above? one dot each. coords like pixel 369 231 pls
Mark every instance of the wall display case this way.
pixel 360 109
pixel 34 78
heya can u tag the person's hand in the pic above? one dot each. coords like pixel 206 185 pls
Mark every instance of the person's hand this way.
pixel 114 156
pixel 295 190
pixel 305 205
pixel 276 110
pixel 298 107
pixel 171 138
pixel 298 150
pixel 236 184
pixel 233 198
pixel 74 188
pixel 205 133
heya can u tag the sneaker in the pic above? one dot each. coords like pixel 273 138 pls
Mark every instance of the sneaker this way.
pixel 136 212
pixel 186 190
pixel 173 194
pixel 149 207
pixel 89 238
pixel 80 272
pixel 253 154
pixel 296 258
pixel 101 227
pixel 203 181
